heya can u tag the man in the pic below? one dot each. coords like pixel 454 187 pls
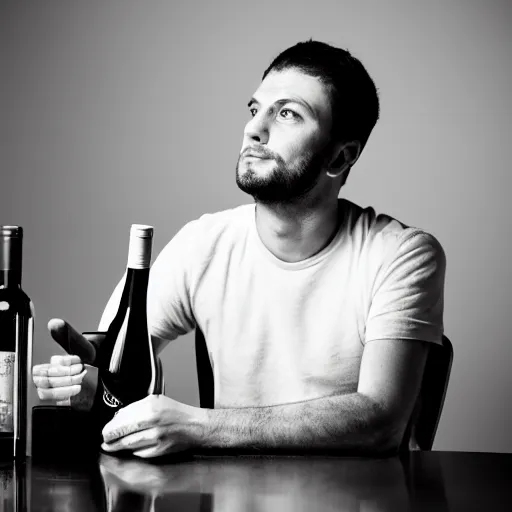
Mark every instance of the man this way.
pixel 318 314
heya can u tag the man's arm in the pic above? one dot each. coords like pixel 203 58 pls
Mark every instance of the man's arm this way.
pixel 370 421
pixel 406 306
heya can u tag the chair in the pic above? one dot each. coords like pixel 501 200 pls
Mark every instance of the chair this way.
pixel 427 412
pixel 436 376
pixel 204 372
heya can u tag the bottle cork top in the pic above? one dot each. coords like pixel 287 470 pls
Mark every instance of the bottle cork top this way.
pixel 139 250
pixel 11 231
pixel 141 231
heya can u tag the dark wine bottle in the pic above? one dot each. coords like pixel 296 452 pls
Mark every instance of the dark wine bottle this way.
pixel 16 334
pixel 127 367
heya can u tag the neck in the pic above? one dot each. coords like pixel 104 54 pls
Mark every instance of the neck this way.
pixel 294 232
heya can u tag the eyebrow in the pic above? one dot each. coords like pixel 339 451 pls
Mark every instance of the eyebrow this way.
pixel 283 101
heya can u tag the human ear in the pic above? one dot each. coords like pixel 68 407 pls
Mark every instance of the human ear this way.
pixel 344 157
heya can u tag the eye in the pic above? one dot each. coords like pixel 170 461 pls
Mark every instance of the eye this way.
pixel 253 111
pixel 286 113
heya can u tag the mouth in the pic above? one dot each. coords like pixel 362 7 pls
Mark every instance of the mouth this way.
pixel 256 154
pixel 252 152
pixel 257 157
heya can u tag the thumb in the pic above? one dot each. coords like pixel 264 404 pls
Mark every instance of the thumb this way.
pixel 71 340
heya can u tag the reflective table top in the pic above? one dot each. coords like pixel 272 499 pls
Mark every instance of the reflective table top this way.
pixel 417 481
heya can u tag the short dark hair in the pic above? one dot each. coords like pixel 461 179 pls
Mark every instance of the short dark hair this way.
pixel 353 95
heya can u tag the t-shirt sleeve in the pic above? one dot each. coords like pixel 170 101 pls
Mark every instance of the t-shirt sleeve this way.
pixel 169 307
pixel 408 298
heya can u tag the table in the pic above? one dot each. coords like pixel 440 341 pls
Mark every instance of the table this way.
pixel 416 481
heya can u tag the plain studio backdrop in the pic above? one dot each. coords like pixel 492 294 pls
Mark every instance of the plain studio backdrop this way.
pixel 113 113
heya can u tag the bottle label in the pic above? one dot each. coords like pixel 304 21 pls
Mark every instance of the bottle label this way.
pixel 109 398
pixel 7 367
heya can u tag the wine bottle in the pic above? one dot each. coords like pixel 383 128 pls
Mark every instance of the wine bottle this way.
pixel 16 334
pixel 127 368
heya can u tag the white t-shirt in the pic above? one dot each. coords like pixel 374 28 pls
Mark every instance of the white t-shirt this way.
pixel 281 332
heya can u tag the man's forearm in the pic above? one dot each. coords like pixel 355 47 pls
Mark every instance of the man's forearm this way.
pixel 351 422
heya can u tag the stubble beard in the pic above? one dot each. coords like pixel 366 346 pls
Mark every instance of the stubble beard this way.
pixel 283 184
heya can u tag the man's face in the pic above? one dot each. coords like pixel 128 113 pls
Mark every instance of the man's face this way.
pixel 283 150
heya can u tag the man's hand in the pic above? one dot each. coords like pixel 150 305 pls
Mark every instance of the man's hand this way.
pixel 154 426
pixel 62 377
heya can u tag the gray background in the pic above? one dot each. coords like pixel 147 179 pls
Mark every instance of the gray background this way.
pixel 114 113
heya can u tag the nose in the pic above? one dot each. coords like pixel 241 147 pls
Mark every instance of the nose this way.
pixel 256 130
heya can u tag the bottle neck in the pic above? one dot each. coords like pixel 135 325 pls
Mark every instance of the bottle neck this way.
pixel 10 262
pixel 10 279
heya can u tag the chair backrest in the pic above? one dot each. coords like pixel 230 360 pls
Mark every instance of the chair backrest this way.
pixel 204 372
pixel 433 392
pixel 431 399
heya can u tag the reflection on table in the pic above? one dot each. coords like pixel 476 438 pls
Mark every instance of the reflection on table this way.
pixel 284 484
pixel 419 481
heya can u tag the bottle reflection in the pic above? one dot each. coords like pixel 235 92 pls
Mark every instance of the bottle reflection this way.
pixel 122 497
pixel 65 487
pixel 119 500
pixel 13 487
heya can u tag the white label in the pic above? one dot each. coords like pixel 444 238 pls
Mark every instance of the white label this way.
pixel 7 366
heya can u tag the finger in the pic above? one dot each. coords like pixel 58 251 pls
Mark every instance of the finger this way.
pixel 156 451
pixel 40 369
pixel 44 381
pixel 71 340
pixel 146 453
pixel 142 439
pixel 65 371
pixel 58 393
pixel 121 427
pixel 119 430
pixel 66 360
